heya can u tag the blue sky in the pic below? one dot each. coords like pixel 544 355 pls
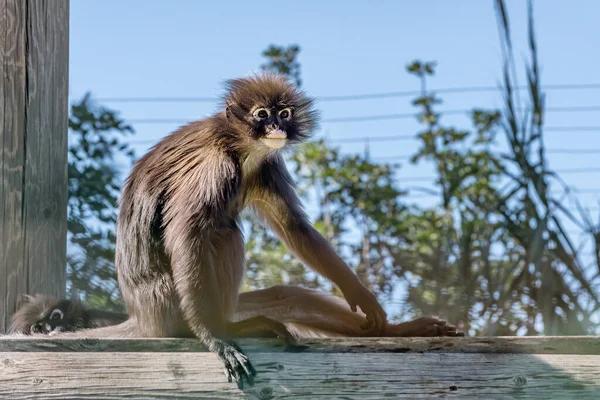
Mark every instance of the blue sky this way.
pixel 186 48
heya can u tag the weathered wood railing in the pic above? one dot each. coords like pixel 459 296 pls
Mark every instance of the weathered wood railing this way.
pixel 485 368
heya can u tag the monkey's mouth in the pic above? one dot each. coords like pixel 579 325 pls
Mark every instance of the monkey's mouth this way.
pixel 275 139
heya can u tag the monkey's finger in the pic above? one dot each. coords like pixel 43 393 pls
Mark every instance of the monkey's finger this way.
pixel 381 321
pixel 367 325
pixel 227 373
pixel 246 367
pixel 250 380
pixel 252 370
pixel 380 318
pixel 238 378
pixel 353 307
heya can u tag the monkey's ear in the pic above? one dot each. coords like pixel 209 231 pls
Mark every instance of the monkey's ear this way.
pixel 24 299
pixel 232 111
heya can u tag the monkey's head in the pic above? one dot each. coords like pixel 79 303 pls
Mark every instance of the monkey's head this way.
pixel 47 314
pixel 269 110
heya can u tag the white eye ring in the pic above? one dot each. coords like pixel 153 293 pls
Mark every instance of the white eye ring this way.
pixel 57 311
pixel 289 111
pixel 258 111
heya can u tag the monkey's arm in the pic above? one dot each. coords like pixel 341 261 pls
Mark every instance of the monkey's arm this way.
pixel 279 206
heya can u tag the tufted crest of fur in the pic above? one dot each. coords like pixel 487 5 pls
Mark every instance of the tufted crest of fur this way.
pixel 267 89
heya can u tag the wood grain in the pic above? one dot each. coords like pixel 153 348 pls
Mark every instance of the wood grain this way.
pixel 114 375
pixel 33 143
pixel 588 345
pixel 12 161
pixel 336 368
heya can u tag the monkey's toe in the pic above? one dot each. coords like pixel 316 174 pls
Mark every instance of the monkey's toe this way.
pixel 432 326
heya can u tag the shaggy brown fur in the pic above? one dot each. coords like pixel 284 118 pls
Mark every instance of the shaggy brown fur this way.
pixel 47 314
pixel 180 251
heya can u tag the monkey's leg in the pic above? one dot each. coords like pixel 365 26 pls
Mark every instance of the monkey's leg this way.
pixel 312 313
pixel 207 272
pixel 307 312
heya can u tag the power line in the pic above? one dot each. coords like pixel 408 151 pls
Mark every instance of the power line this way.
pixel 573 151
pixel 550 151
pixel 365 118
pixel 576 170
pixel 560 171
pixel 572 128
pixel 585 190
pixel 352 97
pixel 390 138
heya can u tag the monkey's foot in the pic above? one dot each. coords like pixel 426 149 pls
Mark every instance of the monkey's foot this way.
pixel 236 363
pixel 424 327
pixel 283 333
pixel 261 326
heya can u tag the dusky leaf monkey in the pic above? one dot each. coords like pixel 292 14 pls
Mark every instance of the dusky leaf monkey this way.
pixel 306 313
pixel 41 313
pixel 180 251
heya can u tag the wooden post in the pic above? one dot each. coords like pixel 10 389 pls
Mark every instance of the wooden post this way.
pixel 34 45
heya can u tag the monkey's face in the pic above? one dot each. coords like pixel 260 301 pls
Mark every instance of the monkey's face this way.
pixel 272 111
pixel 272 124
pixel 61 317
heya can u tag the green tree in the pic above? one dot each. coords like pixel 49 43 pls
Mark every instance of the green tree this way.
pixel 494 256
pixel 283 60
pixel 95 152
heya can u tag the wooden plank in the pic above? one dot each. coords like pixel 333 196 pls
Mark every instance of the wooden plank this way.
pixel 589 345
pixel 305 376
pixel 33 143
pixel 45 191
pixel 12 162
pixel 337 368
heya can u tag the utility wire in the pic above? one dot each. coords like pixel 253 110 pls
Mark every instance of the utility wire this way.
pixel 366 118
pixel 549 151
pixel 561 171
pixel 366 96
pixel 392 138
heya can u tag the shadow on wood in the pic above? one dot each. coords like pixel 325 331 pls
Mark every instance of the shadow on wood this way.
pixel 486 368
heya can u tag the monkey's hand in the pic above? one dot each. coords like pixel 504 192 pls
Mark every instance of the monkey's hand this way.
pixel 362 297
pixel 236 363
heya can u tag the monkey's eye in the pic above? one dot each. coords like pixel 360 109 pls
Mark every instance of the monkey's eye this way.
pixel 286 113
pixel 261 113
pixel 56 314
